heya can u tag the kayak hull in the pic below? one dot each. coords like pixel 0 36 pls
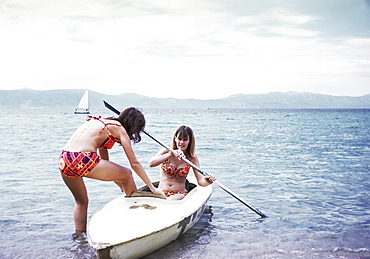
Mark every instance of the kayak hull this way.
pixel 132 227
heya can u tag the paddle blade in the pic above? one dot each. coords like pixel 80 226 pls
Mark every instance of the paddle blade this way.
pixel 110 107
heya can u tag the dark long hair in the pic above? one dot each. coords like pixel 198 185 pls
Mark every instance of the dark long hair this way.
pixel 133 120
pixel 185 132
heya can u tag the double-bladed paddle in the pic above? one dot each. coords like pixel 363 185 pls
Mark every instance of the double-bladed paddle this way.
pixel 110 107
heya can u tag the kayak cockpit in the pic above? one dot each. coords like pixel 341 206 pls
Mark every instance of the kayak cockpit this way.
pixel 144 191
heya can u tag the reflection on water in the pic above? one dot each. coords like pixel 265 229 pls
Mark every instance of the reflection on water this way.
pixel 81 248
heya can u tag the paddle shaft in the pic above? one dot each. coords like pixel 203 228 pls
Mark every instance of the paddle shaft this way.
pixel 110 107
pixel 205 174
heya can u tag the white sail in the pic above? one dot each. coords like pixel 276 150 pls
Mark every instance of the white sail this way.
pixel 83 106
pixel 84 102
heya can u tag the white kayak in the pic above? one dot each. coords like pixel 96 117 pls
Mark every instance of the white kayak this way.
pixel 132 227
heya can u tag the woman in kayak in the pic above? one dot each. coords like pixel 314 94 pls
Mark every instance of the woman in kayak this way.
pixel 86 155
pixel 173 170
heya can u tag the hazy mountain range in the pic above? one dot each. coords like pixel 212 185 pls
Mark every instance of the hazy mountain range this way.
pixel 69 99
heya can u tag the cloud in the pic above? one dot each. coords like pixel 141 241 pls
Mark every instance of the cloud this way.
pixel 184 49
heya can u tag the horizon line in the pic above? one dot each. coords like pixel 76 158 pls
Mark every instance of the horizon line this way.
pixel 235 94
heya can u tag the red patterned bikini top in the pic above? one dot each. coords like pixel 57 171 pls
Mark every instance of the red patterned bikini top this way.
pixel 170 169
pixel 110 140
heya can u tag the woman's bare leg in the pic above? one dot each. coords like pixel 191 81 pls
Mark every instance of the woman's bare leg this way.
pixel 120 185
pixel 109 171
pixel 105 171
pixel 78 189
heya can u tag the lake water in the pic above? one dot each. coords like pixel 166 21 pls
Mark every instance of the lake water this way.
pixel 307 170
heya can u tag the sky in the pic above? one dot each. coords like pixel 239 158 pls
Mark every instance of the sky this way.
pixel 201 49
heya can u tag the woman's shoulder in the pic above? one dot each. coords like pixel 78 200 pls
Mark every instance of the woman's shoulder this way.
pixel 162 151
pixel 194 158
pixel 111 120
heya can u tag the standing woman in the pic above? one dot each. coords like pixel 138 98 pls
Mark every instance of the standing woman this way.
pixel 173 171
pixel 86 154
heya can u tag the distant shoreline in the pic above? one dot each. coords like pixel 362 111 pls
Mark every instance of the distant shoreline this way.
pixel 69 99
pixel 106 112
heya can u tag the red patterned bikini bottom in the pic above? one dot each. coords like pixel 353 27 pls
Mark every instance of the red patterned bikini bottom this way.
pixel 77 164
pixel 170 193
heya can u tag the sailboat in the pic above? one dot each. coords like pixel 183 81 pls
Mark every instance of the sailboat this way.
pixel 83 106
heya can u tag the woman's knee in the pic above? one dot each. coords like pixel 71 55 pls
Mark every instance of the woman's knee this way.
pixel 82 201
pixel 126 174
